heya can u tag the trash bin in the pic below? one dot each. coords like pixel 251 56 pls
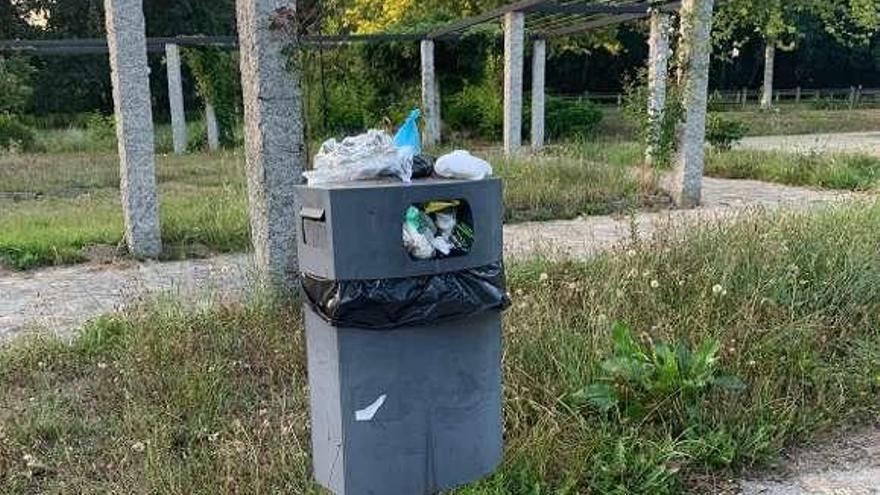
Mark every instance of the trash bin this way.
pixel 404 355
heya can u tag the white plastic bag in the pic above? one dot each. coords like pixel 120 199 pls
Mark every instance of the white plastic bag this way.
pixel 462 165
pixel 366 156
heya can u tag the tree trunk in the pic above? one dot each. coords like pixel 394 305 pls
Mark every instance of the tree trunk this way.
pixel 769 61
pixel 695 50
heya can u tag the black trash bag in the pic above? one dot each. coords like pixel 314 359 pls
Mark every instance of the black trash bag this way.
pixel 423 166
pixel 386 304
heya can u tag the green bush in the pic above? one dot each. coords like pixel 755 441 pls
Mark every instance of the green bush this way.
pixel 571 119
pixel 16 136
pixel 723 133
pixel 478 109
pixel 101 128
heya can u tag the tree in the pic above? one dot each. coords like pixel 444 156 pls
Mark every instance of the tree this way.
pixel 775 21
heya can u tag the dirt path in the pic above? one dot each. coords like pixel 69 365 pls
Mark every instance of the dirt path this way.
pixel 854 142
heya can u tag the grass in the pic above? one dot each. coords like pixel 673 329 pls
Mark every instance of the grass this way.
pixel 854 172
pixel 203 204
pixel 784 120
pixel 166 400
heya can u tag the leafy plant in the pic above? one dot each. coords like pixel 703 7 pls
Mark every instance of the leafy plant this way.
pixel 100 127
pixel 15 84
pixel 217 79
pixel 635 110
pixel 15 135
pixel 638 378
pixel 723 133
pixel 571 119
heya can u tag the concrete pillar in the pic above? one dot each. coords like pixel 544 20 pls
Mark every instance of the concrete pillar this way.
pixel 129 74
pixel 658 68
pixel 175 98
pixel 212 128
pixel 769 63
pixel 274 134
pixel 430 96
pixel 696 27
pixel 514 34
pixel 539 65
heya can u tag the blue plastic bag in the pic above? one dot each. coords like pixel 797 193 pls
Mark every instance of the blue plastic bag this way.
pixel 408 134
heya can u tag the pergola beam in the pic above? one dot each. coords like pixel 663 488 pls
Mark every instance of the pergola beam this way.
pixel 575 9
pixel 608 21
pixel 461 25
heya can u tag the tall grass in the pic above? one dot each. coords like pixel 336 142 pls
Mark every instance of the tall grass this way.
pixel 165 400
pixel 855 172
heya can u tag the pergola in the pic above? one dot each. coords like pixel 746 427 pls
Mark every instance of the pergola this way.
pixel 275 141
pixel 538 20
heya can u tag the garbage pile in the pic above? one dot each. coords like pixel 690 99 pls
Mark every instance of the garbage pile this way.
pixel 436 229
pixel 433 230
pixel 375 154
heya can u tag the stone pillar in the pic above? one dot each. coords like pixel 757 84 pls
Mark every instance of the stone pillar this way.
pixel 658 67
pixel 175 98
pixel 514 33
pixel 212 128
pixel 769 63
pixel 129 74
pixel 430 96
pixel 539 63
pixel 274 140
pixel 695 50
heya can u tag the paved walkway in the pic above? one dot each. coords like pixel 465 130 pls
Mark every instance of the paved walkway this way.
pixel 62 299
pixel 853 142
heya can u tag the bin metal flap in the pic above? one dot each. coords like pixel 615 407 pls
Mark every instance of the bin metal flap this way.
pixel 316 214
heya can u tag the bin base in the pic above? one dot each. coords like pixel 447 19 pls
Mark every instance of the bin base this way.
pixel 404 412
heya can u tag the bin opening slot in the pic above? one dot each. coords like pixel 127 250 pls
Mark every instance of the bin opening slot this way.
pixel 440 228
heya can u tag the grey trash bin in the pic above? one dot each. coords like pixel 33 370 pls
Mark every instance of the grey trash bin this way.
pixel 409 408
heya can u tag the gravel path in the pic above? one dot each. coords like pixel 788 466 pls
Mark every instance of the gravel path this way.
pixel 848 464
pixel 854 142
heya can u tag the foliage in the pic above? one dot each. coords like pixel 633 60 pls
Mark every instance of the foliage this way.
pixel 635 110
pixel 15 84
pixel 638 379
pixel 217 78
pixel 723 133
pixel 479 107
pixel 15 136
pixel 101 128
pixel 571 119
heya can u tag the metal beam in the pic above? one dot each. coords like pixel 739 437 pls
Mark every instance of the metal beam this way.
pixel 574 9
pixel 607 21
pixel 155 45
pixel 461 25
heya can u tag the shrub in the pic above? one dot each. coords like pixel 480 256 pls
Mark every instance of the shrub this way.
pixel 15 84
pixel 723 133
pixel 478 108
pixel 101 128
pixel 571 119
pixel 635 110
pixel 15 136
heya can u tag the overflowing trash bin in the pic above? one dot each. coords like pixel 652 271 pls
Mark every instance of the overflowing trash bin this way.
pixel 403 287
